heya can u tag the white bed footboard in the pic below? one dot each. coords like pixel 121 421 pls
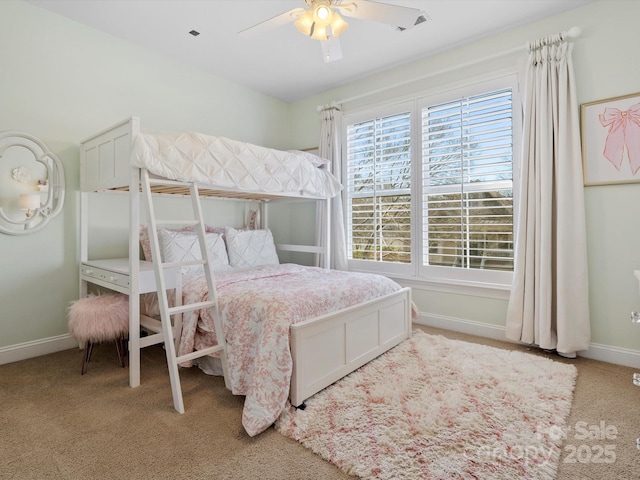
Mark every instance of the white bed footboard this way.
pixel 326 349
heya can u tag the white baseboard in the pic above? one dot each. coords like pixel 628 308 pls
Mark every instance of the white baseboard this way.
pixel 597 351
pixel 607 353
pixel 470 327
pixel 36 348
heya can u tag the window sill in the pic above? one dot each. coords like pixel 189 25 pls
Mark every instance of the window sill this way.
pixel 461 287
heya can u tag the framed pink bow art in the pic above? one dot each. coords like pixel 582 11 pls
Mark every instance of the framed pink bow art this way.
pixel 611 140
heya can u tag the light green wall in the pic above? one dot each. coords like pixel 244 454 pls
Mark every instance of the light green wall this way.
pixel 478 309
pixel 61 82
pixel 606 64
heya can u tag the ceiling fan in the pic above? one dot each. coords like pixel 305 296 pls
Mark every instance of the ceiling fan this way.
pixel 321 20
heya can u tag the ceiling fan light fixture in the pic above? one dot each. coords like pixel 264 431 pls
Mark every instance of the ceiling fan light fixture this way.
pixel 338 25
pixel 319 32
pixel 323 12
pixel 305 23
pixel 320 22
pixel 324 31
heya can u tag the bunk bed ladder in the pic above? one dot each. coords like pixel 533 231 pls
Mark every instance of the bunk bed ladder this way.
pixel 166 312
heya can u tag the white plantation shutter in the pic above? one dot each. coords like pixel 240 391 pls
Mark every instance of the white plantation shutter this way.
pixel 467 184
pixel 378 183
pixel 429 189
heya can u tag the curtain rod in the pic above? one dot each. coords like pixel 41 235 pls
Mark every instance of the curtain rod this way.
pixel 573 32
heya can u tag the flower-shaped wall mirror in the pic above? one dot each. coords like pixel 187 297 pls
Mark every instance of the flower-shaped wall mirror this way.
pixel 31 184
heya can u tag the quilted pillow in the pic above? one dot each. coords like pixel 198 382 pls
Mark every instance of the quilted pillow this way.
pixel 250 248
pixel 145 243
pixel 185 247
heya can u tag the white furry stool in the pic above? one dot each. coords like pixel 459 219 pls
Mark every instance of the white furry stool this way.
pixel 97 318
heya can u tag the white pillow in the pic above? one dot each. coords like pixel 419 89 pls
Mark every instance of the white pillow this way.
pixel 184 247
pixel 145 242
pixel 250 248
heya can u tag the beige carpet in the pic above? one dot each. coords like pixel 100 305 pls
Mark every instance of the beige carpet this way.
pixel 57 424
pixel 436 408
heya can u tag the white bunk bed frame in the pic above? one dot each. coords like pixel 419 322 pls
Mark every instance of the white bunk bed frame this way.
pixel 323 349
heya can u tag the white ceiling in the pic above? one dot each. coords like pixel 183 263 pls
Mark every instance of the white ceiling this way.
pixel 282 62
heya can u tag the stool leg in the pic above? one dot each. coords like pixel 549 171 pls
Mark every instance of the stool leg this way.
pixel 121 348
pixel 88 348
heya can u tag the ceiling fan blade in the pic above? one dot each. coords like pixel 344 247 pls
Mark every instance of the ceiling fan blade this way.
pixel 396 15
pixel 331 49
pixel 274 22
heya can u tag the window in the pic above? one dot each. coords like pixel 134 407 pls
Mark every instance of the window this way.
pixel 467 157
pixel 429 185
pixel 378 182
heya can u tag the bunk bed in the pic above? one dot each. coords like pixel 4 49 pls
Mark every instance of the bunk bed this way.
pixel 323 347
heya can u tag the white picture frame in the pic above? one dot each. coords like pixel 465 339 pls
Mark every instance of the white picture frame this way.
pixel 610 131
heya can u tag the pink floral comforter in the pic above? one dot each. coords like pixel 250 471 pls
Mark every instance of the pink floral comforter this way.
pixel 257 307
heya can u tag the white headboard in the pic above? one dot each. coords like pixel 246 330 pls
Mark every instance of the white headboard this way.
pixel 105 157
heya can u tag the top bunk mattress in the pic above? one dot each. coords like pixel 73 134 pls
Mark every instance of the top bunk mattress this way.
pixel 225 164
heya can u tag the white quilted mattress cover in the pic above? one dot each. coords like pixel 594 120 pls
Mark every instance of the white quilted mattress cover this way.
pixel 232 165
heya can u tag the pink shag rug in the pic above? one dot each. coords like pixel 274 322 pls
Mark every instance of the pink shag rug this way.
pixel 434 408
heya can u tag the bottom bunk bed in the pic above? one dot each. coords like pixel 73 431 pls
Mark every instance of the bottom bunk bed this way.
pixel 290 330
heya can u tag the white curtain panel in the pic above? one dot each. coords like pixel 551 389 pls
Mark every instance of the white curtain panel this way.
pixel 549 303
pixel 329 148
